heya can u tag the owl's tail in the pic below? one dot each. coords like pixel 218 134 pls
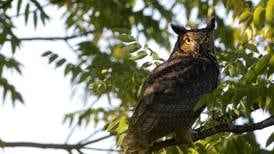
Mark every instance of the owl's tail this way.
pixel 136 143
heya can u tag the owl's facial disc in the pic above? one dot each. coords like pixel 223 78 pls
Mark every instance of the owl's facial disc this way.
pixel 195 43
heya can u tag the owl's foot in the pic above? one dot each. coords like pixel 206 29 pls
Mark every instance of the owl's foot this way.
pixel 184 136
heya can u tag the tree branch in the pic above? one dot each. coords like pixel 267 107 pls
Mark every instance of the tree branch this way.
pixel 67 147
pixel 99 149
pixel 96 140
pixel 238 129
pixel 47 38
pixel 62 38
pixel 91 135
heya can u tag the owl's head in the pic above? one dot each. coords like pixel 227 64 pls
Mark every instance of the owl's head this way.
pixel 195 41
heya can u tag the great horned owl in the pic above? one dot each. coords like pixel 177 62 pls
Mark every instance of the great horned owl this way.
pixel 171 91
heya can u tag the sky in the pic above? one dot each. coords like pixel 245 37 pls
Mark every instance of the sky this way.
pixel 47 94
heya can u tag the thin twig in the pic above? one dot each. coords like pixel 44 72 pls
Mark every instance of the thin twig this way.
pixel 97 140
pixel 91 135
pixel 70 133
pixel 99 149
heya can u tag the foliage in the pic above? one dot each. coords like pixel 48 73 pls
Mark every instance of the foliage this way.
pixel 117 68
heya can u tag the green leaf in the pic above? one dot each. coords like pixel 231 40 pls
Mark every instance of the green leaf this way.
pixel 52 58
pixel 155 56
pixel 19 3
pixel 269 12
pixel 75 72
pixel 14 43
pixel 121 30
pixel 122 127
pixel 60 62
pixel 125 38
pixel 88 48
pixel 257 68
pixel 140 55
pixel 16 96
pixel 20 98
pixel 258 17
pixel 68 69
pixel 236 4
pixel 35 19
pixel 43 17
pixel 46 53
pixel 146 64
pixel 157 63
pixel 270 140
pixel 262 63
pixel 244 16
pixel 251 47
pixel 271 64
pixel 131 47
pixel 5 91
pixel 203 101
pixel 69 117
pixel 232 70
pixel 113 125
pixel 27 13
pixel 228 3
pixel 3 37
pixel 201 148
pixel 83 77
pixel 262 90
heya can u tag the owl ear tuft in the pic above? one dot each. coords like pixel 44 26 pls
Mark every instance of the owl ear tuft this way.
pixel 211 24
pixel 178 29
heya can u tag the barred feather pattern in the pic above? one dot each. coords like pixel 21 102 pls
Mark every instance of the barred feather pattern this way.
pixel 168 98
pixel 172 90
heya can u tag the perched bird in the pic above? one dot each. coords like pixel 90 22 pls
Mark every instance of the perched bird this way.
pixel 172 90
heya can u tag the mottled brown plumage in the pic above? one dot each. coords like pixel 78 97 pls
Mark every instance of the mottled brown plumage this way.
pixel 171 91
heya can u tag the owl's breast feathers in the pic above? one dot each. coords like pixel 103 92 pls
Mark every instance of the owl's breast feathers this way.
pixel 168 97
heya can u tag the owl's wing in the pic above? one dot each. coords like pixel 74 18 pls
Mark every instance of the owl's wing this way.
pixel 172 87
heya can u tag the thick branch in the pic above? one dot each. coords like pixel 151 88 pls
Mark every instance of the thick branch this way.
pixel 238 129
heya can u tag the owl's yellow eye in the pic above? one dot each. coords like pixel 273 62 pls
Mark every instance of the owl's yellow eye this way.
pixel 188 41
pixel 206 39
